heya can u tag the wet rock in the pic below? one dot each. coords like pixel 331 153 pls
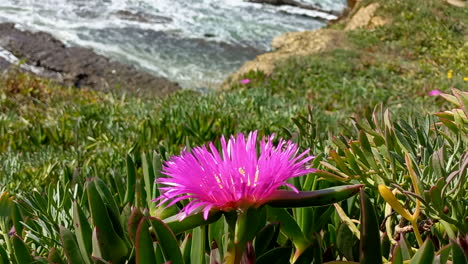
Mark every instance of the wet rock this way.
pixel 4 65
pixel 296 4
pixel 209 35
pixel 78 66
pixel 142 17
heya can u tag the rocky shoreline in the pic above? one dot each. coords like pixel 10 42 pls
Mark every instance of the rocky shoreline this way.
pixel 79 67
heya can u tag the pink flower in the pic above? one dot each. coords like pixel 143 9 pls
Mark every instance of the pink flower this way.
pixel 434 93
pixel 239 177
pixel 245 81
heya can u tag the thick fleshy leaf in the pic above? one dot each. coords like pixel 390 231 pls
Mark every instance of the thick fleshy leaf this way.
pixel 5 205
pixel 3 256
pixel 385 245
pixel 133 222
pixel 291 199
pixel 370 252
pixel 345 241
pixel 17 218
pixel 54 256
pixel 148 179
pixel 186 247
pixel 248 224
pixel 390 198
pixel 107 244
pixel 216 232
pixel 443 254
pixel 131 180
pixel 457 254
pixel 70 247
pixel 425 254
pixel 397 257
pixel 144 244
pixel 197 253
pixel 191 222
pixel 266 238
pixel 111 205
pixel 275 256
pixel 406 251
pixel 167 241
pixel 21 251
pixel 83 232
pixel 289 227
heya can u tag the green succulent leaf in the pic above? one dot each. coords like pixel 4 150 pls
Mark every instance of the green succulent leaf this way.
pixel 291 199
pixel 131 180
pixel 370 252
pixel 425 254
pixel 278 255
pixel 191 221
pixel 167 241
pixel 289 227
pixel 21 251
pixel 186 247
pixel 458 254
pixel 70 247
pixel 197 253
pixel 216 233
pixel 107 244
pixel 266 238
pixel 248 224
pixel 345 241
pixel 133 222
pixel 145 253
pixel 54 256
pixel 3 256
pixel 397 257
pixel 83 232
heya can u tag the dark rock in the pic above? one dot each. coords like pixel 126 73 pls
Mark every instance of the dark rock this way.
pixel 296 4
pixel 209 35
pixel 142 17
pixel 78 66
pixel 4 64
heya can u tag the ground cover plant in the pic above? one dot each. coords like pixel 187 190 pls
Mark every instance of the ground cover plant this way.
pixel 389 181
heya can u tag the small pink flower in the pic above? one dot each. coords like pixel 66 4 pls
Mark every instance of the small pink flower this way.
pixel 434 93
pixel 238 177
pixel 245 81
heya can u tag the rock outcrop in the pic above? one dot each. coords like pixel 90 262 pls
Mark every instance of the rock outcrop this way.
pixel 365 18
pixel 293 44
pixel 311 42
pixel 78 66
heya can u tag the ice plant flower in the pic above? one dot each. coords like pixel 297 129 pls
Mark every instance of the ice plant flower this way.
pixel 245 81
pixel 434 93
pixel 240 177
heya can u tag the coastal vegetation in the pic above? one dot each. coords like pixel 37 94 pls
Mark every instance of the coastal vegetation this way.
pixel 386 113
